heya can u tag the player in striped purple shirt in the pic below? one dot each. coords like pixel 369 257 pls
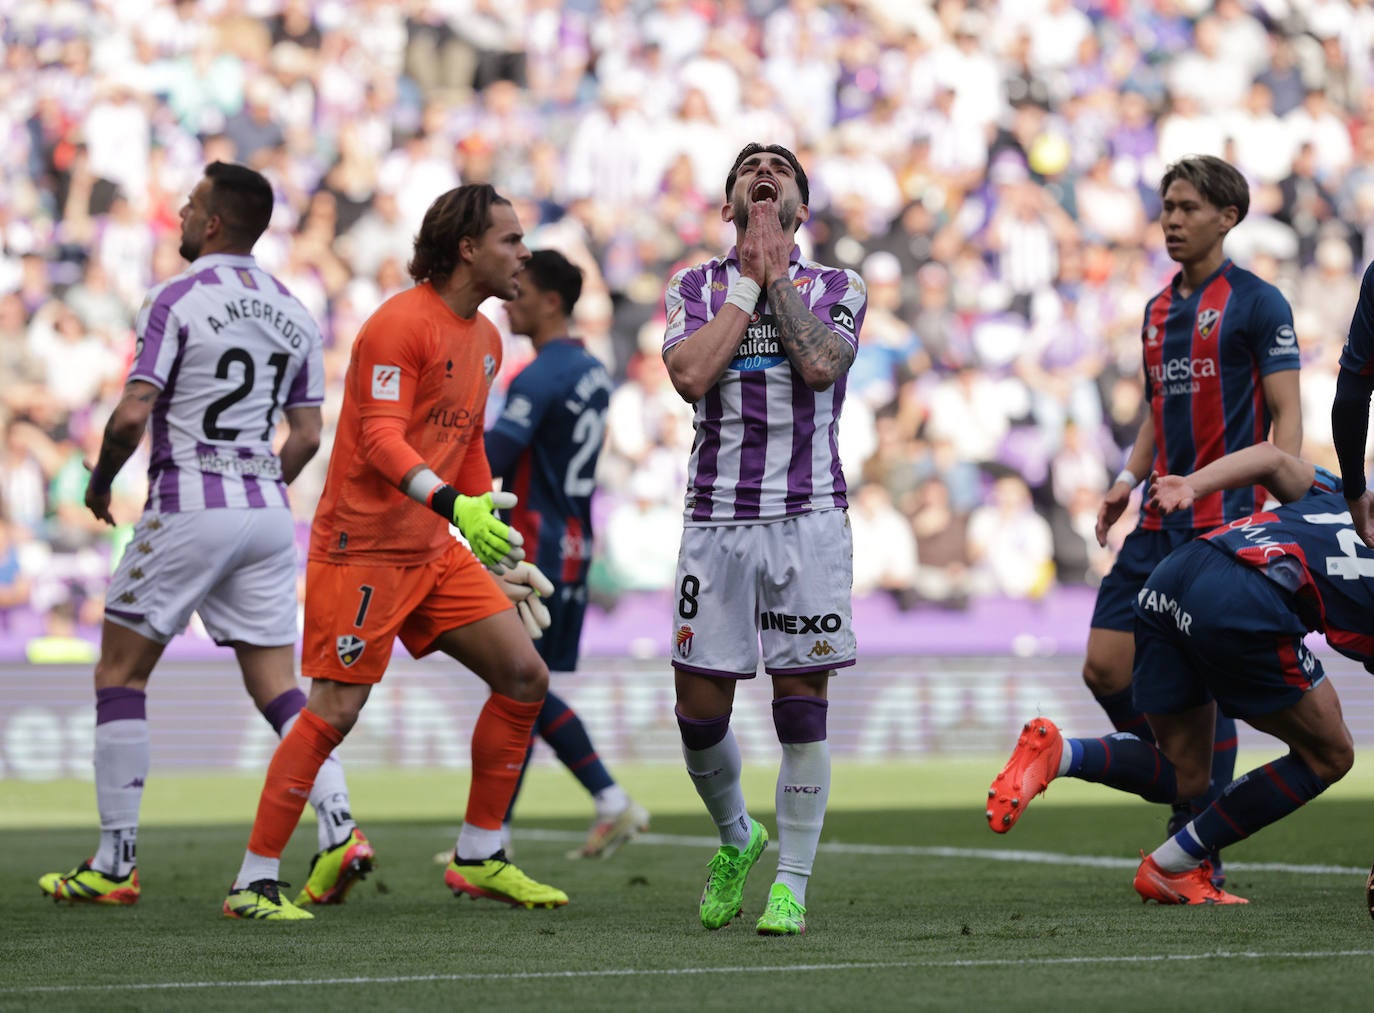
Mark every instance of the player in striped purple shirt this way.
pixel 224 351
pixel 1221 368
pixel 760 342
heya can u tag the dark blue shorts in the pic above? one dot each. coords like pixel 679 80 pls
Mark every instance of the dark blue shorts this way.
pixel 1209 627
pixel 1140 553
pixel 560 644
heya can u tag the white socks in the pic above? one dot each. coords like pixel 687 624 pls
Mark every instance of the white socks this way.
pixel 802 792
pixel 715 773
pixel 121 767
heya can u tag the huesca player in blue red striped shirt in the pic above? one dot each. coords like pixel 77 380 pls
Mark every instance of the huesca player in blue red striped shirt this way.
pixel 1220 626
pixel 1221 374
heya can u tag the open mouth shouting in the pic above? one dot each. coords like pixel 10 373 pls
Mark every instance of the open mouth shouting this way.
pixel 763 189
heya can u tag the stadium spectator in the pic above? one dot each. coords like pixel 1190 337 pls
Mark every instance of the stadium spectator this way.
pixel 544 448
pixel 884 545
pixel 760 341
pixel 216 537
pixel 1240 380
pixel 1009 544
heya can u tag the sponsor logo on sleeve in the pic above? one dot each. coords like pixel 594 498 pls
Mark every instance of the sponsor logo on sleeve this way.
pixel 518 410
pixel 489 366
pixel 842 317
pixel 1285 341
pixel 386 383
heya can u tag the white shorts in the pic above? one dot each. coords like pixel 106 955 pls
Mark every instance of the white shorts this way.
pixel 237 568
pixel 785 584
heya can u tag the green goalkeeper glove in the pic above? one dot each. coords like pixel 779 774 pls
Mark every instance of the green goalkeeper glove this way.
pixel 496 544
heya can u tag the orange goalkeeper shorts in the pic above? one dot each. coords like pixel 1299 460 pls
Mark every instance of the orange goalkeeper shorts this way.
pixel 355 611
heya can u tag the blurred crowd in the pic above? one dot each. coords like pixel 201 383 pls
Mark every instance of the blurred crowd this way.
pixel 990 169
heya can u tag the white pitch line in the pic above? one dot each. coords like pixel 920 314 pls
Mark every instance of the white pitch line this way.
pixel 976 854
pixel 634 972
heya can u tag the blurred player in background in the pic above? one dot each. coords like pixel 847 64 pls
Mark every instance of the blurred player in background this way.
pixel 544 448
pixel 408 461
pixel 1220 625
pixel 224 350
pixel 760 342
pixel 1221 366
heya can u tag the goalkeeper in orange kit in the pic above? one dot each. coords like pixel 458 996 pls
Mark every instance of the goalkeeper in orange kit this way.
pixel 408 461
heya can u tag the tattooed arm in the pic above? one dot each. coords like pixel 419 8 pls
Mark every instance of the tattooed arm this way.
pixel 122 435
pixel 819 354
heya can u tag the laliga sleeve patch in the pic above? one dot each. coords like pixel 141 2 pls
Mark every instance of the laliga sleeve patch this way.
pixel 386 383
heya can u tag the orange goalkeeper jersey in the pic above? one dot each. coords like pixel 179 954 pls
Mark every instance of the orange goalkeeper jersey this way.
pixel 415 364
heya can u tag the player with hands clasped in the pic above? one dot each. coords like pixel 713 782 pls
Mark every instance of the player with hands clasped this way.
pixel 224 352
pixel 407 462
pixel 760 341
pixel 1220 624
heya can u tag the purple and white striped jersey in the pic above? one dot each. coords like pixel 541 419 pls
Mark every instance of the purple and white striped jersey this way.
pixel 229 347
pixel 766 444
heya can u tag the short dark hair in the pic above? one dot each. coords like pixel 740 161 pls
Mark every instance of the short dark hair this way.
pixel 552 272
pixel 753 148
pixel 1219 182
pixel 460 213
pixel 242 198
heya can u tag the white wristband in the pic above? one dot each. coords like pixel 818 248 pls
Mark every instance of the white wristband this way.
pixel 422 486
pixel 1129 477
pixel 744 293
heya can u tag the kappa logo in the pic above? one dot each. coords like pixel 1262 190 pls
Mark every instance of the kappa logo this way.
pixel 1207 321
pixel 350 649
pixel 682 640
pixel 1152 335
pixel 822 649
pixel 386 383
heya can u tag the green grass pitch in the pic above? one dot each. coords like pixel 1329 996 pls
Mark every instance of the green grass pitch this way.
pixel 914 905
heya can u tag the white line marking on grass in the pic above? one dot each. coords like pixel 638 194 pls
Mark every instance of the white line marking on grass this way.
pixel 977 854
pixel 634 972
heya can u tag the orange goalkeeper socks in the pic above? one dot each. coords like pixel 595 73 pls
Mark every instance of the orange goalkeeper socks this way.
pixel 290 776
pixel 499 742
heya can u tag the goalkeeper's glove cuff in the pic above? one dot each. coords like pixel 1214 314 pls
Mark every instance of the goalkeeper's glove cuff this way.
pixel 442 500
